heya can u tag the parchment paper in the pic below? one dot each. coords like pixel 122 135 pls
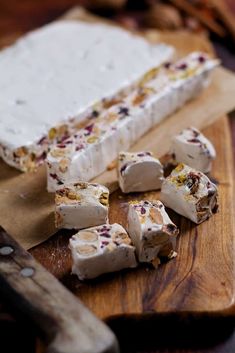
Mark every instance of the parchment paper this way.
pixel 26 209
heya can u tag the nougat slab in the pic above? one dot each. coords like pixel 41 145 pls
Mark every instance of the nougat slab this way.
pixel 190 193
pixel 88 153
pixel 139 171
pixel 191 147
pixel 81 205
pixel 102 249
pixel 55 76
pixel 152 231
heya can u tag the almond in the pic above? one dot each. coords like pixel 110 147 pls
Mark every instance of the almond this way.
pixel 122 238
pixel 88 236
pixel 63 165
pixel 86 249
pixel 156 216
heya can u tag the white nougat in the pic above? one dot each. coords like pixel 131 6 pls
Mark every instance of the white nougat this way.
pixel 191 147
pixel 190 193
pixel 81 205
pixel 102 249
pixel 139 171
pixel 152 231
pixel 55 76
pixel 88 153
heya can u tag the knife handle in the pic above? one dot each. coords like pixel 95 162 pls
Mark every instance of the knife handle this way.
pixel 67 325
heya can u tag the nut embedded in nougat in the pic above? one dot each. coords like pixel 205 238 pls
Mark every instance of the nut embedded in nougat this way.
pixel 81 205
pixel 152 231
pixel 102 249
pixel 190 193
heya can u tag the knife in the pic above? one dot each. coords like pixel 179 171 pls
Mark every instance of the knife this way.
pixel 67 325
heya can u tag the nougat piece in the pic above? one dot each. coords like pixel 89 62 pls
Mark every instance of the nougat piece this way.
pixel 152 231
pixel 60 72
pixel 89 151
pixel 139 171
pixel 190 193
pixel 191 147
pixel 102 249
pixel 81 205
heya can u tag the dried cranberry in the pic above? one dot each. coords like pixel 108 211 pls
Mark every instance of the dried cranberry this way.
pixel 89 128
pixel 201 59
pixel 105 234
pixel 105 242
pixel 142 210
pixel 61 145
pixel 192 182
pixel 123 168
pixel 167 65
pixel 79 147
pixel 53 176
pixel 42 140
pixel 123 111
pixel 63 138
pixel 194 140
pixel 104 229
pixel 171 228
pixel 143 154
pixel 182 66
pixel 94 114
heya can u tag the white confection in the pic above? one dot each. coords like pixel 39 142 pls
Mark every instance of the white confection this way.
pixel 89 152
pixel 139 171
pixel 152 231
pixel 58 72
pixel 191 147
pixel 190 193
pixel 102 249
pixel 81 205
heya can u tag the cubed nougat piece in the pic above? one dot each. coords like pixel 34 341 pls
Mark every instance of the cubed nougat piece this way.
pixel 139 171
pixel 152 231
pixel 102 249
pixel 81 205
pixel 191 147
pixel 190 193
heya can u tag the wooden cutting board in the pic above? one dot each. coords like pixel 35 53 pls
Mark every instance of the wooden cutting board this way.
pixel 200 279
